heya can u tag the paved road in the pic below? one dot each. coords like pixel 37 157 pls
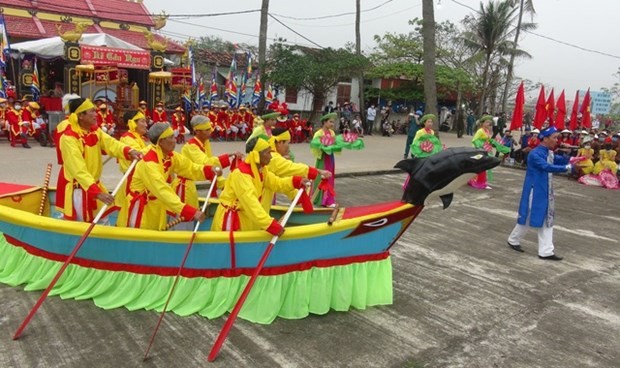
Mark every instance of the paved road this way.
pixel 461 297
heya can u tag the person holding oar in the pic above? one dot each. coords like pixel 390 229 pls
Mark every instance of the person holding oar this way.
pixel 240 202
pixel 136 139
pixel 198 150
pixel 80 192
pixel 150 195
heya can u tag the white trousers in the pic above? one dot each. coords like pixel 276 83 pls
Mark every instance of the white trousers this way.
pixel 545 238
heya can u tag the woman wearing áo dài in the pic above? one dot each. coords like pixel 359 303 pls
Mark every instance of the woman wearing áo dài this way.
pixel 483 140
pixel 425 143
pixel 323 146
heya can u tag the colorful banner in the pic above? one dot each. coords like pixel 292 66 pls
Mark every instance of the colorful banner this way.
pixel 181 78
pixel 133 59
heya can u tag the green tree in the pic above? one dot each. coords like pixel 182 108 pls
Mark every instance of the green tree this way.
pixel 316 71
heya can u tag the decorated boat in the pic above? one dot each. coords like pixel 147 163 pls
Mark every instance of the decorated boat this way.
pixel 329 259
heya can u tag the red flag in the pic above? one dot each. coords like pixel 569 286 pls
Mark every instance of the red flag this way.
pixel 559 118
pixel 550 108
pixel 541 112
pixel 586 119
pixel 573 115
pixel 517 113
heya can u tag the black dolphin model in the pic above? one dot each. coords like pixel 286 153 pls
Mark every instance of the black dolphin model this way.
pixel 441 174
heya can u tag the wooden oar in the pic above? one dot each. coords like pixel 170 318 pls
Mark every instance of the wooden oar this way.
pixel 70 257
pixel 233 315
pixel 46 185
pixel 176 280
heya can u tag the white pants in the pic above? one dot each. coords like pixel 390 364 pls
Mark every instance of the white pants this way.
pixel 545 238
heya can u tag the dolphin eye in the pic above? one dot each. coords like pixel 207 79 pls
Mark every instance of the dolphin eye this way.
pixel 477 157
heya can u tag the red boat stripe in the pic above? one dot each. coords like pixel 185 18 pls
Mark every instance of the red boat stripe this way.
pixel 210 273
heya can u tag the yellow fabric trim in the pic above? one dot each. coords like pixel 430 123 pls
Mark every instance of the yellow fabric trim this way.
pixel 286 136
pixel 204 126
pixel 131 124
pixel 166 133
pixel 85 106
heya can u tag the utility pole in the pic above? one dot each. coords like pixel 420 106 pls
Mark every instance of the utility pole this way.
pixel 358 51
pixel 262 50
pixel 428 34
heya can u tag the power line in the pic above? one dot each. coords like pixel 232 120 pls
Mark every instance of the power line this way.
pixel 547 37
pixel 297 33
pixel 334 15
pixel 364 22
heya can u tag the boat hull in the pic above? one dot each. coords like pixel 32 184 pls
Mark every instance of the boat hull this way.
pixel 313 268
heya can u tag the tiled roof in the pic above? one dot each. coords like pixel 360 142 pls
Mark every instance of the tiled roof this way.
pixel 20 27
pixel 211 57
pixel 116 10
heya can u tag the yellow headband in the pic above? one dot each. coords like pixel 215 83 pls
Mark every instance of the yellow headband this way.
pixel 204 126
pixel 131 124
pixel 284 136
pixel 254 155
pixel 165 134
pixel 85 106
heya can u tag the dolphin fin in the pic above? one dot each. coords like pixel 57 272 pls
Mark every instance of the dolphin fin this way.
pixel 446 199
pixel 409 165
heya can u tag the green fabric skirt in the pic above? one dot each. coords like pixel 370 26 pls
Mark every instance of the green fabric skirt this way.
pixel 292 295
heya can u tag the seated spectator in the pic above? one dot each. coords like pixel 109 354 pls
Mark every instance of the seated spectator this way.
pixel 357 125
pixel 387 129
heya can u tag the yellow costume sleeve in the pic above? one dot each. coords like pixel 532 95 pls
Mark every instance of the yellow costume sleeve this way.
pixel 154 181
pixel 136 143
pixel 419 134
pixel 113 147
pixel 195 154
pixel 186 168
pixel 282 167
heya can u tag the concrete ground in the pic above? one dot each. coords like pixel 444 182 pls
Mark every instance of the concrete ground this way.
pixel 462 298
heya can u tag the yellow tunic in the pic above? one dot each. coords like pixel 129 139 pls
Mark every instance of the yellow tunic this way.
pixel 135 141
pixel 150 194
pixel 241 197
pixel 586 165
pixel 607 160
pixel 200 154
pixel 82 165
pixel 282 168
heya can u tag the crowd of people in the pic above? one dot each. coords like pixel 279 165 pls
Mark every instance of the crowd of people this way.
pixel 161 188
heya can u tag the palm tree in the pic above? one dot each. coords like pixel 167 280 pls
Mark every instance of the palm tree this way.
pixel 524 6
pixel 489 37
pixel 428 33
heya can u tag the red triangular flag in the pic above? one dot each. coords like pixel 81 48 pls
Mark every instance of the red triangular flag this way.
pixel 586 119
pixel 561 115
pixel 541 112
pixel 550 108
pixel 573 115
pixel 517 113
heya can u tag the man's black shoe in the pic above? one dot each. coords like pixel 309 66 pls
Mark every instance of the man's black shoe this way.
pixel 25 145
pixel 516 247
pixel 552 257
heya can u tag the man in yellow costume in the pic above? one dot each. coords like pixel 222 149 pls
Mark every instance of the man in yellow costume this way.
pixel 240 202
pixel 150 195
pixel 198 150
pixel 282 166
pixel 80 192
pixel 134 138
